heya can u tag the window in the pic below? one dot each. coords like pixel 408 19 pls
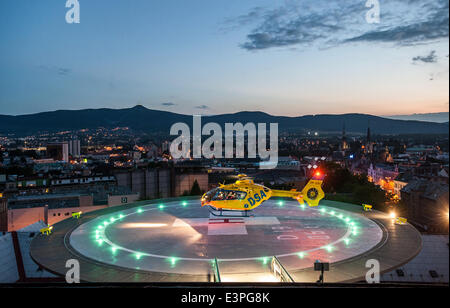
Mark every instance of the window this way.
pixel 236 195
pixel 219 196
pixel 222 195
pixel 209 195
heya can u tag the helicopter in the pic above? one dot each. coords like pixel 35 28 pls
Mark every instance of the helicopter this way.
pixel 239 198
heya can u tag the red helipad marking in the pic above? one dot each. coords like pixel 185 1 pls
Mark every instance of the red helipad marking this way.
pixel 226 221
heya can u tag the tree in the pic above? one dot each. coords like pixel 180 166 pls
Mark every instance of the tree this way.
pixel 341 185
pixel 195 190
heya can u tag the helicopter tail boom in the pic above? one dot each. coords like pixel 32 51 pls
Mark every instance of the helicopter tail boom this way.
pixel 288 194
pixel 312 193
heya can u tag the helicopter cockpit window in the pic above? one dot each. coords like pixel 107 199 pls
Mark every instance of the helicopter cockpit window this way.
pixel 229 195
pixel 220 195
pixel 210 194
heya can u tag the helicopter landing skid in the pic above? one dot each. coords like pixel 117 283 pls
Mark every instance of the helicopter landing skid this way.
pixel 229 213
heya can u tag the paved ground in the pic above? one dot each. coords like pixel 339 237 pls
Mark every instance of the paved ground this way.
pixel 175 240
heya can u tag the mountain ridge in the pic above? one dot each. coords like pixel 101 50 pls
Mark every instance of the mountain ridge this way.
pixel 141 118
pixel 437 117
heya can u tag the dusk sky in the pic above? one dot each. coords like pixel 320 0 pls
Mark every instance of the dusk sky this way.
pixel 223 56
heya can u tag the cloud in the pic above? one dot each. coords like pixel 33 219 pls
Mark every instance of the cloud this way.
pixel 325 24
pixel 169 104
pixel 236 22
pixel 431 58
pixel 412 34
pixel 202 107
pixel 62 71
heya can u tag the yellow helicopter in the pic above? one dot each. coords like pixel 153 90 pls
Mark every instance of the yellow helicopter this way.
pixel 244 195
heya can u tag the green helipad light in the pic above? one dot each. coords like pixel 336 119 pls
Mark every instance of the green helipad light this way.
pixel 100 241
pixel 138 256
pixel 112 219
pixel 301 255
pixel 265 260
pixel 173 261
pixel 341 216
pixel 346 241
pixel 114 248
pixel 351 223
pixel 280 203
pixel 322 210
pixel 100 227
pixel 97 236
pixel 121 216
pixel 302 205
pixel 184 203
pixel 161 206
pixel 139 210
pixel 329 248
pixel 332 212
pixel 105 223
pixel 347 219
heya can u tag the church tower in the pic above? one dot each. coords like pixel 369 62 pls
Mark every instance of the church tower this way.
pixel 344 143
pixel 369 143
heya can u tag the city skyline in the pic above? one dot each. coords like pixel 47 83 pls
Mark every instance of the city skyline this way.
pixel 287 58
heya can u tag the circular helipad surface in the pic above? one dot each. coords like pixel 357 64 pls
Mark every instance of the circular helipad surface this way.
pixel 183 238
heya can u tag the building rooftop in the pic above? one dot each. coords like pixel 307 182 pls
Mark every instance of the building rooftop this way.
pixel 431 190
pixel 44 197
pixel 9 265
pixel 429 266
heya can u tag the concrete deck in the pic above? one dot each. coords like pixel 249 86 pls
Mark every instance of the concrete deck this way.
pixel 175 240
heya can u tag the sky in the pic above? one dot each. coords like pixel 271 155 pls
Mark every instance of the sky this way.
pixel 283 57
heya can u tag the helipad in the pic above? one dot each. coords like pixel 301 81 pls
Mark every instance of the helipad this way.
pixel 177 240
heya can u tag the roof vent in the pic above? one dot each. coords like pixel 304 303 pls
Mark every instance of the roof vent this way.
pixel 400 272
pixel 433 274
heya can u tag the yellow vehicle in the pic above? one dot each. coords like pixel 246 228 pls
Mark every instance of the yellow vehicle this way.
pixel 47 230
pixel 77 215
pixel 244 195
pixel 401 221
pixel 367 207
